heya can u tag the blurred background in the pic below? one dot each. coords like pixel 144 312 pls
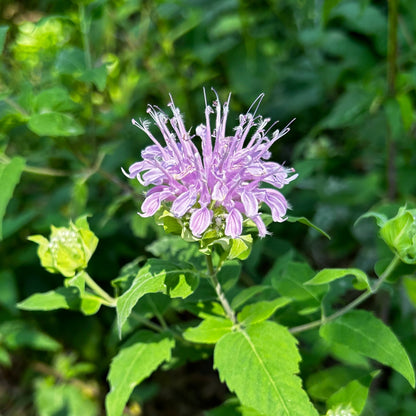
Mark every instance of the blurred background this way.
pixel 74 73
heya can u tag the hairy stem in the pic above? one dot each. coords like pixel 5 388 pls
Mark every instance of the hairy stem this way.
pixel 212 274
pixel 369 292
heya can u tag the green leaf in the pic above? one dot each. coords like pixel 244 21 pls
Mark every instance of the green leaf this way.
pixel 354 393
pixel 289 282
pixel 55 124
pixel 327 7
pixel 364 333
pixel 63 399
pixel 98 76
pixel 246 294
pixel 174 280
pixel 240 247
pixel 18 334
pixel 71 62
pixel 53 99
pixel 139 358
pixel 3 33
pixel 328 275
pixel 409 284
pixel 323 384
pixel 209 331
pixel 399 233
pixel 62 298
pixel 305 221
pixel 260 311
pixel 9 178
pixel 259 364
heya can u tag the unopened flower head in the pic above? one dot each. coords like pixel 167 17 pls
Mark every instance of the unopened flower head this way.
pixel 219 186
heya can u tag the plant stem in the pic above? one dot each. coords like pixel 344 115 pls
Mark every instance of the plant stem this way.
pixel 391 93
pixel 110 301
pixel 212 274
pixel 369 292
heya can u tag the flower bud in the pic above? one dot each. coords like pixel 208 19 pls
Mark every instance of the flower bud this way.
pixel 400 234
pixel 68 249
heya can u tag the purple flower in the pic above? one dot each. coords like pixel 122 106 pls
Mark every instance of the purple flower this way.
pixel 219 186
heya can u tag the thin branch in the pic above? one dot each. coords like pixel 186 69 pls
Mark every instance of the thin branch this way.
pixel 306 327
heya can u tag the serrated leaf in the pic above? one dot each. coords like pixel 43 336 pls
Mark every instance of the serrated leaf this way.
pixel 367 335
pixel 209 331
pixel 62 298
pixel 259 364
pixel 328 275
pixel 9 178
pixel 305 221
pixel 55 124
pixel 143 353
pixel 260 311
pixel 172 279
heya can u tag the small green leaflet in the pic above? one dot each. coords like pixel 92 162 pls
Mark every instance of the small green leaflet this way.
pixel 177 280
pixel 260 364
pixel 260 311
pixel 209 331
pixel 305 221
pixel 328 275
pixel 367 335
pixel 139 358
pixel 9 178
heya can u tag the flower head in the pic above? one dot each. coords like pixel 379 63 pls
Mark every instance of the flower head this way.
pixel 219 186
pixel 68 249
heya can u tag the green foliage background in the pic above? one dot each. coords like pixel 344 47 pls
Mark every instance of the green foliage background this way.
pixel 73 74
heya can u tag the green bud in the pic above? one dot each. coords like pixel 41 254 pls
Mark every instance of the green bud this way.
pixel 68 249
pixel 399 233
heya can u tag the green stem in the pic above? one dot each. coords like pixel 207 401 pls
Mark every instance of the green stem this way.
pixel 212 274
pixel 305 327
pixel 158 315
pixel 85 40
pixel 110 301
pixel 391 93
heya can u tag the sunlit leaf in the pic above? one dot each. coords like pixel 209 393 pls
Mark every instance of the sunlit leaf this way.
pixel 172 279
pixel 141 355
pixel 260 365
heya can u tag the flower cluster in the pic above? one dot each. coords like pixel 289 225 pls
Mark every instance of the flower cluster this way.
pixel 219 186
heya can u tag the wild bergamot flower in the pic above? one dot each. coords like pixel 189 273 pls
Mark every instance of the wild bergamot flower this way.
pixel 217 187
